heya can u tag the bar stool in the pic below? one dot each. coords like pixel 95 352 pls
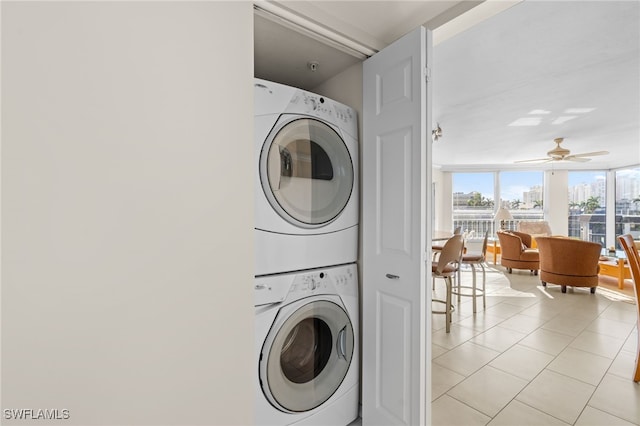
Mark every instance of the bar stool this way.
pixel 437 248
pixel 446 268
pixel 473 259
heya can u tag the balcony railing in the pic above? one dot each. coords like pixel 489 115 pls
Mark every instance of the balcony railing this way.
pixel 587 227
pixel 477 222
pixel 477 227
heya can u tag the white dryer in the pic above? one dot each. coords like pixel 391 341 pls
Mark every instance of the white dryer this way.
pixel 307 352
pixel 306 181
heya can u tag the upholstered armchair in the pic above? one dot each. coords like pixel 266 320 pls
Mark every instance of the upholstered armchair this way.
pixel 569 262
pixel 516 251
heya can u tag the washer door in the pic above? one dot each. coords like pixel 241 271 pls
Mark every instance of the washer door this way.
pixel 306 172
pixel 306 355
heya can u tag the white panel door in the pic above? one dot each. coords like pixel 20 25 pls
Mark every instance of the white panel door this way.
pixel 396 154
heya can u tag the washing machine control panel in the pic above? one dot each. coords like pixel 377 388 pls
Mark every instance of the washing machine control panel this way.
pixel 266 292
pixel 334 281
pixel 346 281
pixel 287 287
pixel 314 283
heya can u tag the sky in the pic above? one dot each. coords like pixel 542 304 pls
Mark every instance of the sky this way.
pixel 577 178
pixel 513 184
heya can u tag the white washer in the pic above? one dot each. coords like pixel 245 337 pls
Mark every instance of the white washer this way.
pixel 307 351
pixel 306 183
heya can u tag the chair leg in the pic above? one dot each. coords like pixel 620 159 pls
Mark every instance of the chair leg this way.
pixel 458 281
pixel 593 290
pixel 636 377
pixel 448 304
pixel 484 280
pixel 564 288
pixel 473 289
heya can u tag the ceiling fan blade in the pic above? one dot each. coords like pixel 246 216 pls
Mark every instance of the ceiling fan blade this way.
pixel 562 154
pixel 590 154
pixel 577 159
pixel 544 160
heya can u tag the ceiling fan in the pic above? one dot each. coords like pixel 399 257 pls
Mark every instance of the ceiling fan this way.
pixel 562 154
pixel 436 133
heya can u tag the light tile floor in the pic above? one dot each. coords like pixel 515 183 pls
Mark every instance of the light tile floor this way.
pixel 535 356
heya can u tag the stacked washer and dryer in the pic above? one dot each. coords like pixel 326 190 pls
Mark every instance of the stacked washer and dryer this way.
pixel 306 246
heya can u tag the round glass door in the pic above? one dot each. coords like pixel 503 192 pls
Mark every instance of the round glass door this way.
pixel 306 172
pixel 307 357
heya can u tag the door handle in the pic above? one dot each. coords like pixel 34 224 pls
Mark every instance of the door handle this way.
pixel 342 343
pixel 393 277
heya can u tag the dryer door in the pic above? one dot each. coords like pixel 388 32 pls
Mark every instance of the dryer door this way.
pixel 306 171
pixel 306 355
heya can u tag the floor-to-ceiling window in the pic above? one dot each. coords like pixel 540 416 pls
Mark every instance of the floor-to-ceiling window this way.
pixel 627 202
pixel 477 195
pixel 587 200
pixel 521 193
pixel 474 196
pixel 473 202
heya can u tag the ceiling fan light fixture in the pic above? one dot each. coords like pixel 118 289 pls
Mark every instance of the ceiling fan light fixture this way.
pixel 436 133
pixel 558 152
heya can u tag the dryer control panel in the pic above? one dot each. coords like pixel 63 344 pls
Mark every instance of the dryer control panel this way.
pixel 275 98
pixel 321 107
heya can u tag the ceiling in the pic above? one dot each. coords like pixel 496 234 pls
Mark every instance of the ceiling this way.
pixel 282 51
pixel 567 69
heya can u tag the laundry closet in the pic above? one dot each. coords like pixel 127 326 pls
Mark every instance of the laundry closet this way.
pixel 395 174
pixel 307 213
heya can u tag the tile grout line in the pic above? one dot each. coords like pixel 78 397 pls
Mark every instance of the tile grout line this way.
pixel 546 367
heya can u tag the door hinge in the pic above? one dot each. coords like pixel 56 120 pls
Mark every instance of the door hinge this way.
pixel 426 71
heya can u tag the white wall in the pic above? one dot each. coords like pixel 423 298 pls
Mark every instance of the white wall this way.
pixel 443 211
pixel 556 201
pixel 127 211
